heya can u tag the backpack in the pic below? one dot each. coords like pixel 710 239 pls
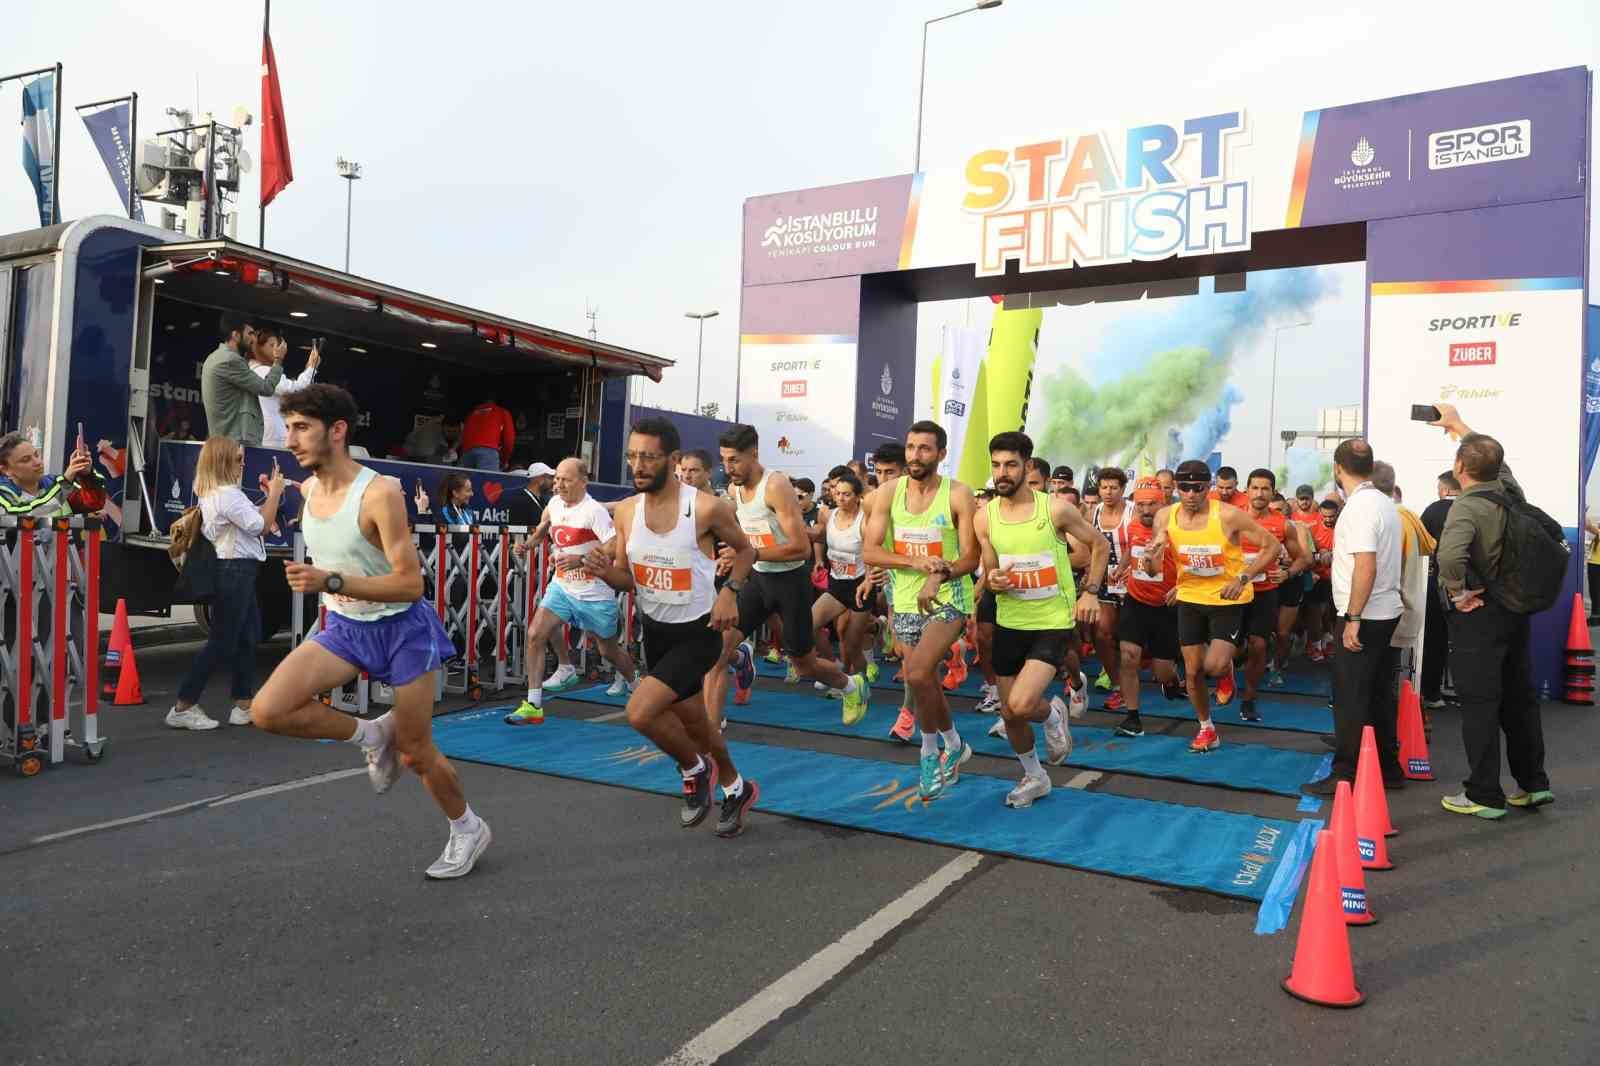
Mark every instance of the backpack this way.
pixel 1534 558
pixel 195 558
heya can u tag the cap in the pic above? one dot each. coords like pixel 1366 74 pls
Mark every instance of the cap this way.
pixel 541 470
pixel 1305 492
pixel 1192 470
pixel 1063 472
pixel 1147 489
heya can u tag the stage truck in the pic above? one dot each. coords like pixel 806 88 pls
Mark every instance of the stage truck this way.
pixel 104 324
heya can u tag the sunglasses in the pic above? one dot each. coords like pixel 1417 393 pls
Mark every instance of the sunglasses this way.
pixel 1193 486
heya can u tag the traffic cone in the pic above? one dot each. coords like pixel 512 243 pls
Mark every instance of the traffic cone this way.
pixel 1414 759
pixel 128 693
pixel 1578 628
pixel 1352 880
pixel 121 635
pixel 1322 972
pixel 1372 807
pixel 1578 686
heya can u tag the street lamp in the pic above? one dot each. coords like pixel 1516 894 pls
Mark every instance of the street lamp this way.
pixel 1272 405
pixel 922 82
pixel 351 172
pixel 700 351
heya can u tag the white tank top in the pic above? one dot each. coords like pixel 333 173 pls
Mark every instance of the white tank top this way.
pixel 1117 537
pixel 760 524
pixel 673 578
pixel 337 543
pixel 844 549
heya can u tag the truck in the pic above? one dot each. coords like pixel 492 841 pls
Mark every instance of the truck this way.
pixel 104 324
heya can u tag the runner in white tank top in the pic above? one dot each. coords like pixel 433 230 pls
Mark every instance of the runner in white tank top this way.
pixel 365 566
pixel 846 569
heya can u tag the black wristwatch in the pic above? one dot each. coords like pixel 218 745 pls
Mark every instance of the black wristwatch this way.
pixel 335 582
pixel 1093 590
pixel 733 585
pixel 1348 617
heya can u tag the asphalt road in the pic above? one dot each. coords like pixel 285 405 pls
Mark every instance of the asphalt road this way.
pixel 295 926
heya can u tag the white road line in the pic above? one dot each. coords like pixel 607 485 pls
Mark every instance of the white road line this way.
pixel 789 990
pixel 132 819
pixel 1085 779
pixel 289 786
pixel 612 717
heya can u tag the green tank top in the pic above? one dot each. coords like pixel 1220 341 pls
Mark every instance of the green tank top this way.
pixel 933 532
pixel 1042 595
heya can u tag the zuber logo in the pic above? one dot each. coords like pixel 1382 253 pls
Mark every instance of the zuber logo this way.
pixel 793 389
pixel 1252 863
pixel 1481 353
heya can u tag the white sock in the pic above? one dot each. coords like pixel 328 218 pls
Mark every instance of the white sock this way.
pixel 1055 716
pixel 699 764
pixel 952 739
pixel 1030 763
pixel 367 734
pixel 467 823
pixel 1205 723
pixel 930 744
pixel 535 694
pixel 735 789
pixel 849 685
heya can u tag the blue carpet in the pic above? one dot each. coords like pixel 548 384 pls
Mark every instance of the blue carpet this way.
pixel 968 688
pixel 1190 847
pixel 1293 717
pixel 1301 679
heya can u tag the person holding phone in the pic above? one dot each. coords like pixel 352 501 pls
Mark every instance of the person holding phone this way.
pixel 268 352
pixel 25 489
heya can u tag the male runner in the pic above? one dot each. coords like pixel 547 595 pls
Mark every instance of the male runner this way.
pixel 1227 489
pixel 1025 566
pixel 1213 583
pixel 363 563
pixel 1318 603
pixel 1148 621
pixel 1110 519
pixel 694 470
pixel 1304 508
pixel 1291 594
pixel 927 518
pixel 575 523
pixel 1168 482
pixel 1263 616
pixel 663 554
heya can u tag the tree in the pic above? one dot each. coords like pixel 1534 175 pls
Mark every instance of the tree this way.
pixel 709 410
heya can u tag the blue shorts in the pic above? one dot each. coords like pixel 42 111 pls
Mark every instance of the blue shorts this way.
pixel 595 616
pixel 395 650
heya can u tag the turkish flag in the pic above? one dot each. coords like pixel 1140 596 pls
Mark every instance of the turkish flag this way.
pixel 276 169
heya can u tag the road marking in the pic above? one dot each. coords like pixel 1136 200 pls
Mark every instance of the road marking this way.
pixel 132 819
pixel 793 987
pixel 289 786
pixel 1085 779
pixel 612 717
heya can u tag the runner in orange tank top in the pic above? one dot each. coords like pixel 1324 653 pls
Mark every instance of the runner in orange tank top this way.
pixel 1289 560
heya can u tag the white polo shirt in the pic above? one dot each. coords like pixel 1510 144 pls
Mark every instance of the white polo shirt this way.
pixel 1368 523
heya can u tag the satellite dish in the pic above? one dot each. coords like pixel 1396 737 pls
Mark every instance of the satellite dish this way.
pixel 244 162
pixel 242 116
pixel 201 158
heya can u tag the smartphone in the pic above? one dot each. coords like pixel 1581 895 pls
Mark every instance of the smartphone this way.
pixel 1424 412
pixel 82 445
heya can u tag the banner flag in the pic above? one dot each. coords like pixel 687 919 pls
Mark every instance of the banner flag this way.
pixel 276 169
pixel 111 130
pixel 958 405
pixel 38 141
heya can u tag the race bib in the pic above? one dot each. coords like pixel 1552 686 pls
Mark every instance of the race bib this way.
pixel 1249 561
pixel 577 577
pixel 1033 577
pixel 845 566
pixel 1138 572
pixel 926 543
pixel 1201 560
pixel 664 578
pixel 759 530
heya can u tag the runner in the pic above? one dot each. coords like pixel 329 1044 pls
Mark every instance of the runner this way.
pixel 1262 618
pixel 840 531
pixel 1304 509
pixel 1025 566
pixel 1291 594
pixel 1227 489
pixel 662 552
pixel 928 520
pixel 694 470
pixel 1110 519
pixel 575 523
pixel 1318 603
pixel 1168 482
pixel 1148 621
pixel 363 563
pixel 1213 584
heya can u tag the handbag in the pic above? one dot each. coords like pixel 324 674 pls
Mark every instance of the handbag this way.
pixel 197 573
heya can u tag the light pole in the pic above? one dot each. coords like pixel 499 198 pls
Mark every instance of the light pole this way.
pixel 922 82
pixel 350 171
pixel 700 351
pixel 1272 405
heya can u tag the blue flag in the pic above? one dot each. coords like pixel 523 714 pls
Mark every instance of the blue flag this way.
pixel 39 142
pixel 109 128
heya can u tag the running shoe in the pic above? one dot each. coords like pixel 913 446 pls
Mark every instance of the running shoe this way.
pixel 1078 698
pixel 1531 800
pixel 240 716
pixel 744 672
pixel 1103 682
pixel 872 671
pixel 194 718
pixel 950 765
pixel 998 729
pixel 526 714
pixel 1248 712
pixel 1275 678
pixel 1057 738
pixel 819 686
pixel 888 639
pixel 1435 704
pixel 1205 740
pixel 931 782
pixel 698 790
pixel 1130 726
pixel 1114 701
pixel 619 685
pixel 774 656
pixel 905 727
pixel 791 676
pixel 1316 655
pixel 1460 804
pixel 730 823
pixel 955 669
pixel 1225 689
pixel 1173 690
pixel 461 853
pixel 1030 788
pixel 564 678
pixel 383 765
pixel 855 703
pixel 988 700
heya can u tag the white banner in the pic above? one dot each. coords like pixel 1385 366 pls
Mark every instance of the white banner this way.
pixel 956 391
pixel 799 393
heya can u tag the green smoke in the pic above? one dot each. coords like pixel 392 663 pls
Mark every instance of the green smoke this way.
pixel 1076 423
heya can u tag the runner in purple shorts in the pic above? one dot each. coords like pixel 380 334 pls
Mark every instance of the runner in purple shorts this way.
pixel 366 569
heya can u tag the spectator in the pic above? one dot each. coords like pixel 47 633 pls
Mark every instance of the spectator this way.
pixel 25 489
pixel 523 453
pixel 487 437
pixel 268 352
pixel 455 492
pixel 234 526
pixel 527 506
pixel 1593 531
pixel 435 440
pixel 1366 596
pixel 229 390
pixel 1489 656
pixel 1435 630
pixel 1416 545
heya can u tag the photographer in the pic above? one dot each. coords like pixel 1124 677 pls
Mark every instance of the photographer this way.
pixel 25 489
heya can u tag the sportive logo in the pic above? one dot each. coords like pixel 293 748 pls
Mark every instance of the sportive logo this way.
pixel 847 230
pixel 1478 353
pixel 1502 320
pixel 793 390
pixel 1364 176
pixel 1475 145
pixel 1362 153
pixel 1452 393
pixel 785 415
pixel 885 381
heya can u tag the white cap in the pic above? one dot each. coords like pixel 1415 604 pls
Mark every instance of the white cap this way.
pixel 541 470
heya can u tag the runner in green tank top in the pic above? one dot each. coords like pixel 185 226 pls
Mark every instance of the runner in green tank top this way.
pixel 926 522
pixel 1025 563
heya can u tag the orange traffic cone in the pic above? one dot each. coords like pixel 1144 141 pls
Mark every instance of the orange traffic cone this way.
pixel 1372 807
pixel 1322 972
pixel 1352 880
pixel 1414 759
pixel 1578 687
pixel 128 693
pixel 121 637
pixel 1578 627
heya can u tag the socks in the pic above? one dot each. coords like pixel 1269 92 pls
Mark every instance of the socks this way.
pixel 952 739
pixel 735 789
pixel 1030 763
pixel 849 685
pixel 1205 723
pixel 367 734
pixel 467 823
pixel 1055 716
pixel 930 744
pixel 699 764
pixel 535 695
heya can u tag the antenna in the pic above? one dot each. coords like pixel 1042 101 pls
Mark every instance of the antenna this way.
pixel 592 313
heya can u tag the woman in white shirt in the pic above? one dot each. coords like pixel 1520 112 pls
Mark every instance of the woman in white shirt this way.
pixel 234 526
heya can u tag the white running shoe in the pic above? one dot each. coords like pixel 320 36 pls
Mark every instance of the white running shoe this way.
pixel 383 765
pixel 1030 788
pixel 194 718
pixel 1078 698
pixel 999 727
pixel 461 853
pixel 1058 738
pixel 619 684
pixel 819 686
pixel 239 716
pixel 988 699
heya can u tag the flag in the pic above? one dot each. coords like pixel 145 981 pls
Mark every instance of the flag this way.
pixel 39 143
pixel 110 129
pixel 276 169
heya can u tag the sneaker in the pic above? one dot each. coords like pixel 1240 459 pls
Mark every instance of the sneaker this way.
pixel 744 672
pixel 1316 655
pixel 1173 691
pixel 240 716
pixel 1078 698
pixel 1057 738
pixel 1114 702
pixel 1435 704
pixel 1248 712
pixel 819 686
pixel 998 729
pixel 1531 800
pixel 950 765
pixel 564 678
pixel 773 656
pixel 855 703
pixel 730 823
pixel 872 671
pixel 526 714
pixel 194 718
pixel 383 763
pixel 989 700
pixel 698 790
pixel 955 670
pixel 1030 788
pixel 888 639
pixel 1460 804
pixel 1103 682
pixel 618 686
pixel 931 781
pixel 461 853
pixel 1130 726
pixel 791 676
pixel 1275 678
pixel 1225 689
pixel 905 727
pixel 1205 740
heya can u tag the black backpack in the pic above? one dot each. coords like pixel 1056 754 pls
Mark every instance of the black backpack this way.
pixel 1534 558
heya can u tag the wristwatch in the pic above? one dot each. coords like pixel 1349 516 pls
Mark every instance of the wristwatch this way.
pixel 1093 590
pixel 733 585
pixel 1348 617
pixel 335 582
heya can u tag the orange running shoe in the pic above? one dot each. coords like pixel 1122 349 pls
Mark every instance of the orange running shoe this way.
pixel 905 727
pixel 1225 689
pixel 1205 740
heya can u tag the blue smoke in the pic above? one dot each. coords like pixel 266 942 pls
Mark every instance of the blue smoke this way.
pixel 1201 435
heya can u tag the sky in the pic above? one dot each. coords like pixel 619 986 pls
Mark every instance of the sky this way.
pixel 538 160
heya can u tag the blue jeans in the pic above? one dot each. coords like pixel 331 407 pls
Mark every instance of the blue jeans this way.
pixel 481 459
pixel 235 632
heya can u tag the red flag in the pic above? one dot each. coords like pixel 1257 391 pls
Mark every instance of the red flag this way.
pixel 276 169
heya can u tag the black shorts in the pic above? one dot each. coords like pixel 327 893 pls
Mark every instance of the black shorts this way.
pixel 681 653
pixel 843 590
pixel 987 606
pixel 786 594
pixel 1291 592
pixel 1261 617
pixel 1013 647
pixel 1320 592
pixel 1155 629
pixel 1201 623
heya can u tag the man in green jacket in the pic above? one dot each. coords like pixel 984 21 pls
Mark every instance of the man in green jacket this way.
pixel 230 389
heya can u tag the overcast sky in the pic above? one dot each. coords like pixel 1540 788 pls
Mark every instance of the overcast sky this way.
pixel 528 159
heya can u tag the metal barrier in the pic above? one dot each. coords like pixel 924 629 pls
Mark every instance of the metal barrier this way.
pixel 50 652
